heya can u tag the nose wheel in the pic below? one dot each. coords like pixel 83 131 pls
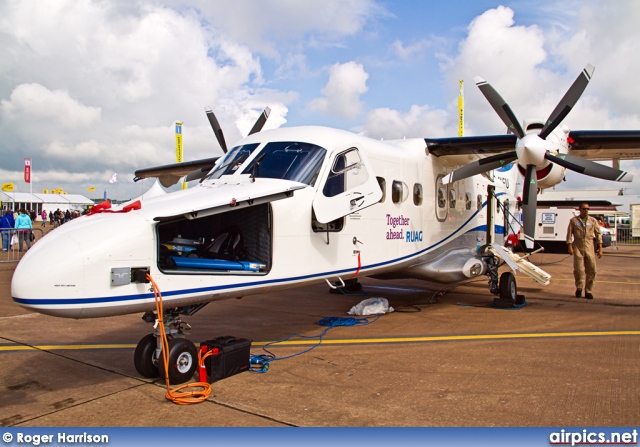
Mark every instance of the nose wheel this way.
pixel 182 359
pixel 182 355
pixel 144 357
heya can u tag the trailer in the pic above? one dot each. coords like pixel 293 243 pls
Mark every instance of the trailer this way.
pixel 553 216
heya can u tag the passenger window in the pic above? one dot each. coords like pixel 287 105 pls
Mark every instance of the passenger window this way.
pixel 417 194
pixel 383 186
pixel 467 200
pixel 399 191
pixel 441 197
pixel 452 198
pixel 479 202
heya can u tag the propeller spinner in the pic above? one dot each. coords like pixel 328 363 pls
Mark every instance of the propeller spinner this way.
pixel 534 152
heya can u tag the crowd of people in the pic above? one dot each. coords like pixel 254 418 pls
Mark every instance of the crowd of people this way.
pixel 17 227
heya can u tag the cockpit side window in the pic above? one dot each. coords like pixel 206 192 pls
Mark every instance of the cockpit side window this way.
pixel 295 161
pixel 230 163
pixel 347 172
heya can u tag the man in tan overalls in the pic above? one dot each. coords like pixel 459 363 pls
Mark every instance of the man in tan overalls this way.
pixel 580 234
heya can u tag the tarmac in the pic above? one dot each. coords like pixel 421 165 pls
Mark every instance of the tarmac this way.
pixel 443 358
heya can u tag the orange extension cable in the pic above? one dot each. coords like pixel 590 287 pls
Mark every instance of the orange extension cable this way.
pixel 184 397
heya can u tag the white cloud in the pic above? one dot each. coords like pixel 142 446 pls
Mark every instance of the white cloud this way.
pixel 606 34
pixel 267 26
pixel 347 82
pixel 419 121
pixel 34 103
pixel 409 51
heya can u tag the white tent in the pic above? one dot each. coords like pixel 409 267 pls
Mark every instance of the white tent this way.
pixel 38 202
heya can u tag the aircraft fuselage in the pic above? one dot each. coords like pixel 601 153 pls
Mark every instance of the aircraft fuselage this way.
pixel 316 204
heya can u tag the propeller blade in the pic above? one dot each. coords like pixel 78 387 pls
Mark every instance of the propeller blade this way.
pixel 568 101
pixel 480 166
pixel 590 168
pixel 257 127
pixel 217 130
pixel 500 106
pixel 530 203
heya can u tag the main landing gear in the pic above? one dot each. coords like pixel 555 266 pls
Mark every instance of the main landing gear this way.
pixel 182 358
pixel 505 287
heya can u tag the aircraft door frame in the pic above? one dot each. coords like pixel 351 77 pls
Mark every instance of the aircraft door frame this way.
pixel 350 185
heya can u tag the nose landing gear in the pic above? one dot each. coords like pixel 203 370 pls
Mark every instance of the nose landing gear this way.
pixel 182 355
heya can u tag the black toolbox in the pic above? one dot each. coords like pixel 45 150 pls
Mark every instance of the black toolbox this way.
pixel 230 355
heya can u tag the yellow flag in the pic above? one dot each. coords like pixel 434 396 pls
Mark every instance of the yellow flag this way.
pixel 8 187
pixel 178 142
pixel 45 191
pixel 91 188
pixel 461 109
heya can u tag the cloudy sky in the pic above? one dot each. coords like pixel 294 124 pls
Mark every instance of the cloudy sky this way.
pixel 89 88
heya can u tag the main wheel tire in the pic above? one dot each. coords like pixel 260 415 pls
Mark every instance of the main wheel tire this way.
pixel 508 288
pixel 143 357
pixel 183 361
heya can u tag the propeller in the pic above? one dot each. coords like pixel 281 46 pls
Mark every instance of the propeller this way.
pixel 534 152
pixel 217 129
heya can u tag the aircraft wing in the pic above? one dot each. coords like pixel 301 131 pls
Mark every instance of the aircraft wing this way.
pixel 587 144
pixel 605 144
pixel 484 145
pixel 171 174
pixel 464 150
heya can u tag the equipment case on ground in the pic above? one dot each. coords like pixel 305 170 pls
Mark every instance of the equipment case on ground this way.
pixel 230 356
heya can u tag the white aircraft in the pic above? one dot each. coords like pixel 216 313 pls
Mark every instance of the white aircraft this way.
pixel 293 206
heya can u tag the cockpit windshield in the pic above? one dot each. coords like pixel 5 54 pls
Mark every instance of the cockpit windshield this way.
pixel 295 161
pixel 232 160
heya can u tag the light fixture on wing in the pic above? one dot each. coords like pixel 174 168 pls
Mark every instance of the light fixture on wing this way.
pixel 534 151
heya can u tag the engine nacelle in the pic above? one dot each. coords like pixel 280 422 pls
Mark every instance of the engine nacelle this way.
pixel 555 176
pixel 453 266
pixel 548 174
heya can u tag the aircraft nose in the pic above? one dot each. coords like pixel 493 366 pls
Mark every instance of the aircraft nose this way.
pixel 49 276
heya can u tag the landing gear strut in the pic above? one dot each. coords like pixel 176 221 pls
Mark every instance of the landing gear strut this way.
pixel 182 356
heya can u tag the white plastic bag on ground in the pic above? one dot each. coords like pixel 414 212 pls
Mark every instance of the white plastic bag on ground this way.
pixel 371 306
